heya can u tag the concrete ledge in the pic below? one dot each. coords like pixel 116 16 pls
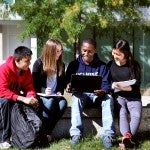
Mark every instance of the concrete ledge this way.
pixel 145 92
pixel 92 122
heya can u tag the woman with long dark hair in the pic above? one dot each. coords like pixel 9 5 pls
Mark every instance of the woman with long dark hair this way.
pixel 123 67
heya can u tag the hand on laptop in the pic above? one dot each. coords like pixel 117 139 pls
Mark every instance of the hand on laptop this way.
pixel 99 93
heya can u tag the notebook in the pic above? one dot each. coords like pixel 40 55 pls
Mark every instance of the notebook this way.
pixel 125 83
pixel 52 95
pixel 83 83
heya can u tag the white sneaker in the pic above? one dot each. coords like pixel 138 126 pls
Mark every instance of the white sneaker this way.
pixel 5 145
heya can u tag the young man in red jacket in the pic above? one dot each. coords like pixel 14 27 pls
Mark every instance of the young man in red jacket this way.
pixel 15 77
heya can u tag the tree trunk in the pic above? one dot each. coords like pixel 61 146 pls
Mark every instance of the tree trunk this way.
pixel 76 48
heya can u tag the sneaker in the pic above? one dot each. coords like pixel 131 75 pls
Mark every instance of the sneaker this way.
pixel 127 141
pixel 107 141
pixel 75 139
pixel 5 145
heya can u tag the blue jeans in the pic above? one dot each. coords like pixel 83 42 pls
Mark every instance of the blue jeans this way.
pixel 52 109
pixel 82 100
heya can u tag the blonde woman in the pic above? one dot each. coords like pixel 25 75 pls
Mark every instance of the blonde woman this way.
pixel 49 78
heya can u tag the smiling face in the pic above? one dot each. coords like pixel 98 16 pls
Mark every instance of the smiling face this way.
pixel 58 51
pixel 87 51
pixel 119 57
pixel 23 64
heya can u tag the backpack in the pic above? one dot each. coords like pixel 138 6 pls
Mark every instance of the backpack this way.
pixel 25 126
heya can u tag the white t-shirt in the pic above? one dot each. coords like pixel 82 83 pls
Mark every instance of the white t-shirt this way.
pixel 52 83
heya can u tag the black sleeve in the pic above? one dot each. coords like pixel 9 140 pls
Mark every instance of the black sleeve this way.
pixel 36 73
pixel 109 64
pixel 61 82
pixel 137 74
pixel 71 69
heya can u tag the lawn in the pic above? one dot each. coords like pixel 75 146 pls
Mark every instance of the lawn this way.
pixel 142 143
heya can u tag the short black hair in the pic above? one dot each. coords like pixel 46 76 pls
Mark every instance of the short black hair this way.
pixel 90 41
pixel 21 52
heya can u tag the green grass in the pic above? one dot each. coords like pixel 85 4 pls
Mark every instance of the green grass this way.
pixel 91 143
pixel 142 143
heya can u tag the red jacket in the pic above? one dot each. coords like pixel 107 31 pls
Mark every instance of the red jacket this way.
pixel 11 83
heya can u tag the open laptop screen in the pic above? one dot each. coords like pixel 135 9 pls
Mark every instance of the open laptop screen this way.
pixel 83 83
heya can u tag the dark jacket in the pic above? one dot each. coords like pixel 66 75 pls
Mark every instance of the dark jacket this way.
pixel 97 67
pixel 40 77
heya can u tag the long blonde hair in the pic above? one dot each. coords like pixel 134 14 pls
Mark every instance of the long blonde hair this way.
pixel 50 64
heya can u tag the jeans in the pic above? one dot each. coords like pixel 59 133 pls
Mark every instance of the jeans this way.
pixel 83 100
pixel 52 109
pixel 134 109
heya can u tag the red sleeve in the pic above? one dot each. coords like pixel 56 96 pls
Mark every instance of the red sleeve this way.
pixel 5 92
pixel 28 85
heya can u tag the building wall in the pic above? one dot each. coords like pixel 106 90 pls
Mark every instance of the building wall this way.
pixel 1 44
pixel 9 40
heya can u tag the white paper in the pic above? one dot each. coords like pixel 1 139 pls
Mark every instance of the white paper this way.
pixel 45 95
pixel 125 83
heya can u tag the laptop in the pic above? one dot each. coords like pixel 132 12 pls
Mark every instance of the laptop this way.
pixel 83 83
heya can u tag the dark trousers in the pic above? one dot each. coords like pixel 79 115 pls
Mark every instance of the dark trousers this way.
pixel 5 128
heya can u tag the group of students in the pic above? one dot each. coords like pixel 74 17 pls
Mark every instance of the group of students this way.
pixel 49 76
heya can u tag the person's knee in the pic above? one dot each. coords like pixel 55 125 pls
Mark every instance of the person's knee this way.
pixel 63 104
pixel 108 101
pixel 49 104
